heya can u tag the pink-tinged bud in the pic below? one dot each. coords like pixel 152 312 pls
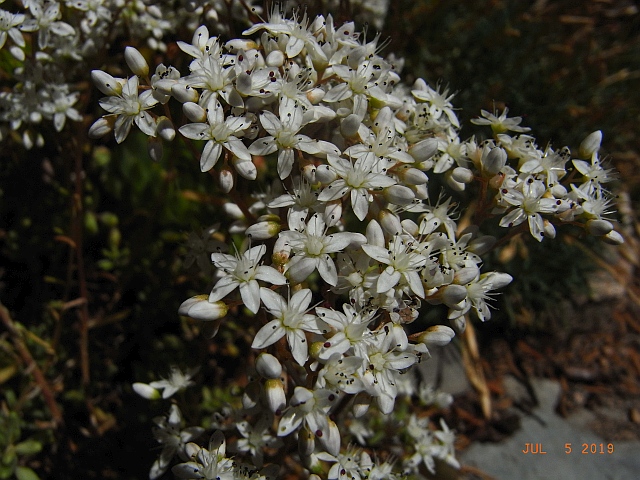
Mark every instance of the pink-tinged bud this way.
pixel 154 147
pixel 462 175
pixel 424 149
pixel 237 44
pixel 165 128
pixel 399 195
pixel 590 145
pixel 281 252
pixel 493 162
pixel 146 391
pixel 102 126
pixel 194 112
pixel 274 394
pixel 136 61
pixel 325 174
pixel 309 173
pixel 200 308
pixel 349 126
pixel 361 404
pixel 549 229
pixel 275 59
pixel 613 238
pixel 315 95
pixel 390 222
pixel 412 176
pixel 184 93
pixel 226 180
pixel 106 83
pixel 268 366
pixel 268 226
pixel 438 335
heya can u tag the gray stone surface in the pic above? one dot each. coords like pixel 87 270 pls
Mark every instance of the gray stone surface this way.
pixel 506 460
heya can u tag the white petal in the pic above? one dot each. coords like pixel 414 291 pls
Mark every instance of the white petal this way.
pixel 210 155
pixel 268 335
pixel 387 280
pixel 327 270
pixel 250 293
pixel 221 289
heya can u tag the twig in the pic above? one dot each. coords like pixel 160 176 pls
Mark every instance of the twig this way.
pixel 31 365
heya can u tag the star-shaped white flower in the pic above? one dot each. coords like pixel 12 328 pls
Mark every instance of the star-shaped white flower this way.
pixel 312 248
pixel 243 272
pixel 291 320
pixel 367 172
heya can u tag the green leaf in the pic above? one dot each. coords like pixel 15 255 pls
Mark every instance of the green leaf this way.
pixel 28 447
pixel 25 473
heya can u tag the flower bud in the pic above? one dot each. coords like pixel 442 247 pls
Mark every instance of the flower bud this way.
pixel 251 395
pixel 599 228
pixel 315 95
pixel 498 279
pixel 410 227
pixel 462 175
pixel 399 195
pixel 226 180
pixel 349 125
pixel 146 391
pixel 165 128
pixel 453 183
pixel 245 168
pixel 106 83
pixel 412 176
pixel 613 238
pixel 325 174
pixel 102 126
pixel 361 404
pixel 438 335
pixel 274 394
pixel 275 59
pixel 200 308
pixel 263 229
pixel 450 295
pixel 424 149
pixel 184 93
pixel 306 443
pixel 590 145
pixel 466 275
pixel 493 162
pixel 194 112
pixel 374 234
pixel 268 366
pixel 154 147
pixel 549 229
pixel 330 439
pixel 281 252
pixel 390 222
pixel 136 61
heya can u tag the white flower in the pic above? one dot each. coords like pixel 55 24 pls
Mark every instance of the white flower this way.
pixel 131 108
pixel 312 248
pixel 530 202
pixel 219 132
pixel 208 463
pixel 173 438
pixel 243 272
pixel 500 124
pixel 402 264
pixel 367 173
pixel 284 137
pixel 291 320
pixel 178 380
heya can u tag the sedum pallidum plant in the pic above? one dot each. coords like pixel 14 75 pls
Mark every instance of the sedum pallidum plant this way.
pixel 325 158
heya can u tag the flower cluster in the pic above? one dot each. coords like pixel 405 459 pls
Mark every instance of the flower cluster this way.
pixel 343 244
